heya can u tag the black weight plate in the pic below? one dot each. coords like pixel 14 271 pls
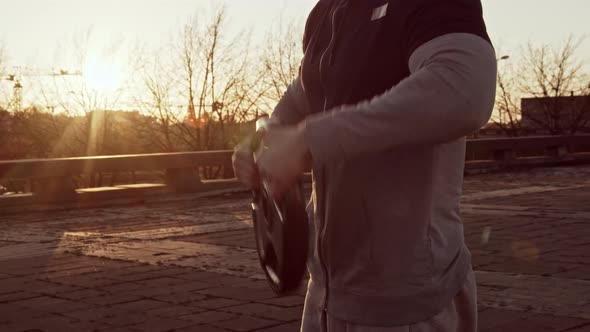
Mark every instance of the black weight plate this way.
pixel 281 245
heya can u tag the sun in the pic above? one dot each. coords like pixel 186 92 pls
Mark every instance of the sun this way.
pixel 103 76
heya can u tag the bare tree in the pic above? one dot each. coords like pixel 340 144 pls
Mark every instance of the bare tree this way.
pixel 77 98
pixel 281 60
pixel 191 43
pixel 218 81
pixel 548 90
pixel 508 113
pixel 552 75
pixel 155 100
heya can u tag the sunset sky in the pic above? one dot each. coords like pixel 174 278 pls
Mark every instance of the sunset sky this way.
pixel 34 32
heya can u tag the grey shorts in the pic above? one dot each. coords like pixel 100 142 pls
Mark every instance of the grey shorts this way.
pixel 459 316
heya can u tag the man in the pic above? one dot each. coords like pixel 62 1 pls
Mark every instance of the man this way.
pixel 387 93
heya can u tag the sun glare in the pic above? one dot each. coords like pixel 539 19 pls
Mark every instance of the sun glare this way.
pixel 103 76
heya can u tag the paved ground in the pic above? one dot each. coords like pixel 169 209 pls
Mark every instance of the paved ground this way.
pixel 191 265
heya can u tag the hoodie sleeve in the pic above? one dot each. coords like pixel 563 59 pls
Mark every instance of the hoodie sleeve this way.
pixel 449 94
pixel 293 106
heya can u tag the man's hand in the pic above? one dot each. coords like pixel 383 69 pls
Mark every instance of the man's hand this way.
pixel 243 164
pixel 284 157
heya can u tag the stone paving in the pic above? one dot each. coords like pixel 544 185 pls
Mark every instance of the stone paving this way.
pixel 191 265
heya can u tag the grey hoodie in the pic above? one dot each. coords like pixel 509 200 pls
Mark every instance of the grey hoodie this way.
pixel 393 252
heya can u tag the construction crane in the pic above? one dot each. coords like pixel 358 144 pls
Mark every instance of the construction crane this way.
pixel 17 73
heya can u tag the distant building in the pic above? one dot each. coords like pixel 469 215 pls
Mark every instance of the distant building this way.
pixel 556 115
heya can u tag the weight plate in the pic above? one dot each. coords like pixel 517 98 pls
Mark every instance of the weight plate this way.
pixel 281 232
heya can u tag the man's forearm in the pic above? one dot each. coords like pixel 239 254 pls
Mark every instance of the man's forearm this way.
pixel 293 107
pixel 449 94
